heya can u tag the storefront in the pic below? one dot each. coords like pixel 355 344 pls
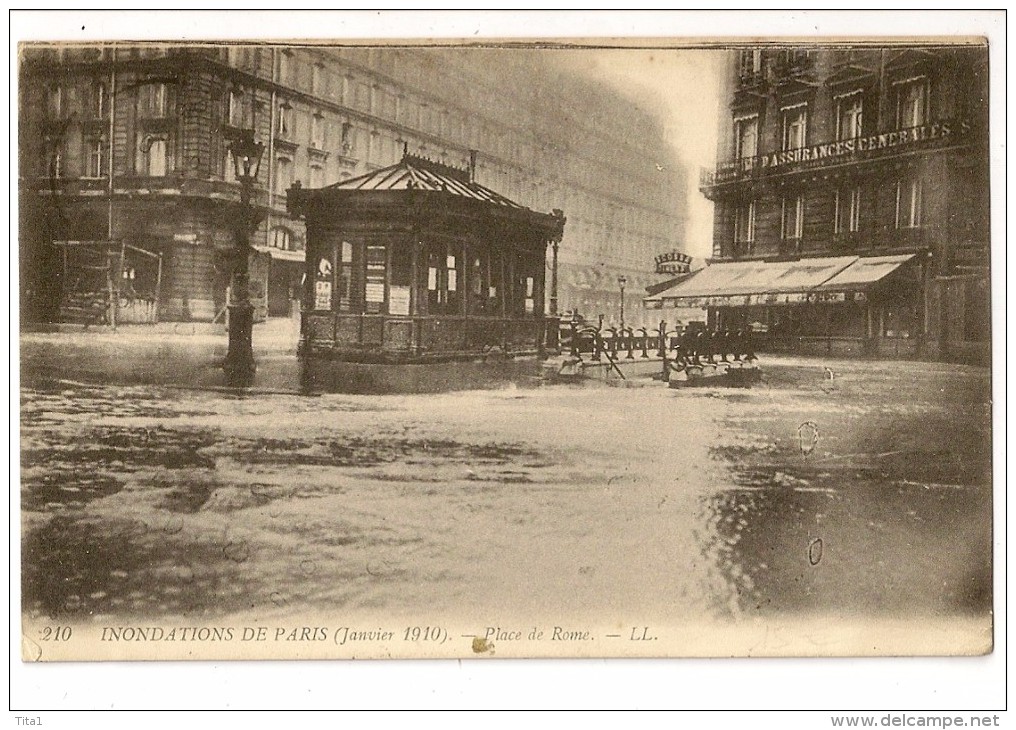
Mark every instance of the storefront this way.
pixel 847 305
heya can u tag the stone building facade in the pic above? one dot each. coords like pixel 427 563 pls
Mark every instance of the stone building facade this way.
pixel 870 157
pixel 128 144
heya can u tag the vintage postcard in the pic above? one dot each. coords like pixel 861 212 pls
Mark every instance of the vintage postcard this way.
pixel 544 348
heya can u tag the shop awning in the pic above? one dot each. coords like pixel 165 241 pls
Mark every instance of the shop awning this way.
pixel 746 283
pixel 865 272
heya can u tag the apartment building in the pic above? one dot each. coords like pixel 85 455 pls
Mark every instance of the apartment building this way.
pixel 851 201
pixel 124 157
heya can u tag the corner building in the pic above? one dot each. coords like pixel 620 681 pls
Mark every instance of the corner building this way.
pixel 126 145
pixel 851 201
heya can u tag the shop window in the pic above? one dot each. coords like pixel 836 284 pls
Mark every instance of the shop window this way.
pixel 529 284
pixel 912 103
pixel 898 320
pixel 477 275
pixel 344 277
pixel 849 116
pixel 524 295
pixel 495 262
pixel 747 137
pixel 795 127
pixel 848 210
pixel 793 218
pixel 909 204
pixel 846 320
pixel 95 148
pixel 374 290
pixel 442 283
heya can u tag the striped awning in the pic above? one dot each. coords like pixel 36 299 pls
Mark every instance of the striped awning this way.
pixel 865 272
pixel 747 283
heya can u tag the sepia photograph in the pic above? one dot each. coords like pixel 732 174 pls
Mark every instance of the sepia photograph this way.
pixel 433 348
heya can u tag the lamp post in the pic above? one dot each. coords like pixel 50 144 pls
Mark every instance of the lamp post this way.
pixel 621 281
pixel 239 363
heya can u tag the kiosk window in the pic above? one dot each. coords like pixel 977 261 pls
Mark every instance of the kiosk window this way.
pixel 344 277
pixel 374 290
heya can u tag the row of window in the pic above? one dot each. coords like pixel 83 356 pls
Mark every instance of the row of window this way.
pixel 153 157
pixel 154 101
pixel 359 281
pixel 750 60
pixel 348 89
pixel 908 213
pixel 92 102
pixel 911 111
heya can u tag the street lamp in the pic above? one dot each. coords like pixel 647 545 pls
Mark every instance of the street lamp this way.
pixel 239 363
pixel 621 281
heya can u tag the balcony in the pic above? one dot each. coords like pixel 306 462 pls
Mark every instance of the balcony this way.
pixel 939 134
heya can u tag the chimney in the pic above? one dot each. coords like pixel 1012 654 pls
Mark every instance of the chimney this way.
pixel 472 165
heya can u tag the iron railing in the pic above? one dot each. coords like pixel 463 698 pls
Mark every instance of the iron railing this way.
pixel 677 349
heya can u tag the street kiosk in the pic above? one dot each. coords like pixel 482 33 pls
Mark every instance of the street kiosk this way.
pixel 418 263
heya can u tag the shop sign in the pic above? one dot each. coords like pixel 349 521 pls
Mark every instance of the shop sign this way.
pixel 937 133
pixel 673 262
pixel 323 285
pixel 887 140
pixel 375 291
pixel 323 295
pixel 711 301
pixel 398 302
pixel 835 297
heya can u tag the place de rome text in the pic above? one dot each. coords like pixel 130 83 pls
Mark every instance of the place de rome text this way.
pixel 352 635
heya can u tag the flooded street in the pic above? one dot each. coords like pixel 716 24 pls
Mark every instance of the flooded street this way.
pixel 862 497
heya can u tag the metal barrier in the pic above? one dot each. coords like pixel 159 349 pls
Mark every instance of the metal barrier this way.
pixel 677 349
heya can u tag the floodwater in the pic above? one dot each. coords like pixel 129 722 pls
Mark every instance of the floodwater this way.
pixel 866 495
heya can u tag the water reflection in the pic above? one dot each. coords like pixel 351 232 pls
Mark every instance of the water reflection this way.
pixel 788 544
